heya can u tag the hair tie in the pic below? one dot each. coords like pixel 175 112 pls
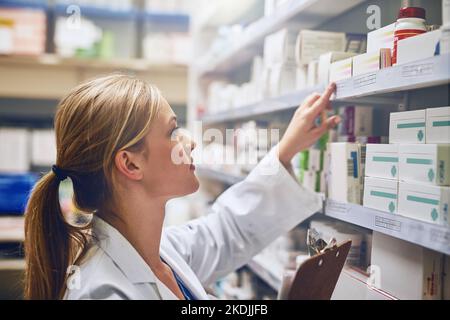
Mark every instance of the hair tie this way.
pixel 61 174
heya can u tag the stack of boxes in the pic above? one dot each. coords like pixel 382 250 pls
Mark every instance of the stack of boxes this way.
pixel 410 176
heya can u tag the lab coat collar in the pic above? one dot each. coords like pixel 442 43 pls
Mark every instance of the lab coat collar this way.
pixel 122 252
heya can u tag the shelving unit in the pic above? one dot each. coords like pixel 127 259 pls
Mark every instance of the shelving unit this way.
pixel 432 236
pixel 50 76
pixel 309 14
pixel 382 87
pixel 391 87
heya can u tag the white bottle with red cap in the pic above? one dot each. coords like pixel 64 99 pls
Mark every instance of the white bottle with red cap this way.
pixel 410 22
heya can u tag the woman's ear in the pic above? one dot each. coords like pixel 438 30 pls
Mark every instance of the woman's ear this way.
pixel 128 163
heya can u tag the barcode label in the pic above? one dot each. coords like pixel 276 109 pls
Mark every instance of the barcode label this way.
pixel 363 155
pixel 350 168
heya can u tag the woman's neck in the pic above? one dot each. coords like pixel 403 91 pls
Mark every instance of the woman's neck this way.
pixel 140 220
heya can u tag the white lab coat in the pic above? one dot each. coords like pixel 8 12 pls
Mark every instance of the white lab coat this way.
pixel 244 219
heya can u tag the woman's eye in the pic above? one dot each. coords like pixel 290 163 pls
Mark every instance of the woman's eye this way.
pixel 174 130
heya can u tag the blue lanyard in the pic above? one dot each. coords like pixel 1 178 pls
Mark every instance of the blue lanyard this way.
pixel 184 290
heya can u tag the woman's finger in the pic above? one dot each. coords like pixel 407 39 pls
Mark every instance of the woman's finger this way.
pixel 328 124
pixel 323 102
pixel 311 99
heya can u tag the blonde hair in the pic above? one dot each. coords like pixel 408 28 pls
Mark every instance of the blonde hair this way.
pixel 94 121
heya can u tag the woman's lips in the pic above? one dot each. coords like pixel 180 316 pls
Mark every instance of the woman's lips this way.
pixel 192 167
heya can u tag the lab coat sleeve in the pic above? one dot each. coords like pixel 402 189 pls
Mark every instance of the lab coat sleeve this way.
pixel 244 219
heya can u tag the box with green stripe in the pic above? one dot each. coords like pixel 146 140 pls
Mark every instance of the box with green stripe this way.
pixel 380 194
pixel 407 127
pixel 382 161
pixel 438 125
pixel 422 202
pixel 425 163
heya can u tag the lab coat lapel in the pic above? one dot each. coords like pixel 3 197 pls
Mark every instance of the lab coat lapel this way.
pixel 182 269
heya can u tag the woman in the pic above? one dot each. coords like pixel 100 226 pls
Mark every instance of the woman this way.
pixel 114 139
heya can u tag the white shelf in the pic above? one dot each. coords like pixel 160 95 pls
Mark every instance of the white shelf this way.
pixel 308 14
pixel 263 269
pixel 50 76
pixel 432 236
pixel 414 75
pixel 389 83
pixel 217 175
pixel 12 229
pixel 12 264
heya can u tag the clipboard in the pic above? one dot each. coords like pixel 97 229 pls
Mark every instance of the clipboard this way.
pixel 317 277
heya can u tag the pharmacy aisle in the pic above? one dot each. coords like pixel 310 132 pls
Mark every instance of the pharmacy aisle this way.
pixel 354 206
pixel 383 172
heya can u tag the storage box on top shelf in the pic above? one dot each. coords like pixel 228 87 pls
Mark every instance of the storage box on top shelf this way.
pixel 425 163
pixel 356 121
pixel 279 47
pixel 380 194
pixel 371 61
pixel 325 61
pixel 28 34
pixel 311 44
pixel 406 271
pixel 438 125
pixel 341 70
pixel 407 127
pixel 381 38
pixel 419 47
pixel 423 202
pixel 14 150
pixel 344 174
pixel 382 161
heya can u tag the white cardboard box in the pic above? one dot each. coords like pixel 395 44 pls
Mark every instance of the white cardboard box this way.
pixel 14 150
pixel 312 74
pixel 382 161
pixel 325 61
pixel 381 38
pixel 279 47
pixel 341 70
pixel 405 270
pixel 425 163
pixel 419 47
pixel 344 182
pixel 380 194
pixel 407 127
pixel 301 77
pixel 311 44
pixel 438 125
pixel 422 202
pixel 43 147
pixel 282 79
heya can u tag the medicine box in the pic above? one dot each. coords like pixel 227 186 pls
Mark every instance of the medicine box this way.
pixel 325 61
pixel 311 44
pixel 344 182
pixel 381 38
pixel 405 270
pixel 279 47
pixel 14 150
pixel 382 161
pixel 356 121
pixel 282 79
pixel 422 202
pixel 380 194
pixel 371 61
pixel 438 125
pixel 407 127
pixel 341 70
pixel 419 47
pixel 425 163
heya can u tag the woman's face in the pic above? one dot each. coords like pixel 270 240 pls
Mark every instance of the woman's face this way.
pixel 168 169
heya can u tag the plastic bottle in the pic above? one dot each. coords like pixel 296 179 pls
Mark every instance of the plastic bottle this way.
pixel 410 22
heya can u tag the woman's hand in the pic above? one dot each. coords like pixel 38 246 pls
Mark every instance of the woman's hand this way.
pixel 302 131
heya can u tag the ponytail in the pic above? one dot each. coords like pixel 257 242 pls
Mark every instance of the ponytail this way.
pixel 49 245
